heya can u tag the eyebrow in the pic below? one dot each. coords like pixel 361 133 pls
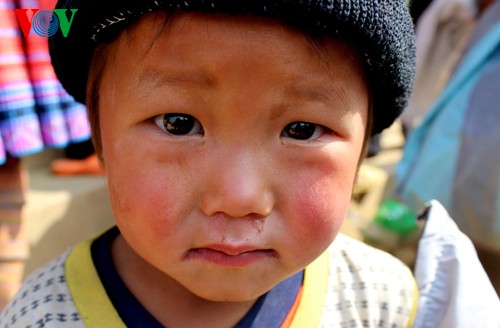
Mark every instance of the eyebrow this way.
pixel 152 78
pixel 334 97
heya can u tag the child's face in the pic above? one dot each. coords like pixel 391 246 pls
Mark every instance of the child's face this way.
pixel 231 147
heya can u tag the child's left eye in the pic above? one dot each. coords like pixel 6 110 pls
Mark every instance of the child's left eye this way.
pixel 302 130
pixel 178 124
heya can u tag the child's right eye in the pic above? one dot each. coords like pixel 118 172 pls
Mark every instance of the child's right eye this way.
pixel 178 124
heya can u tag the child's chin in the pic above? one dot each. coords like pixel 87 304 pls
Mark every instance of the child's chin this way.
pixel 234 295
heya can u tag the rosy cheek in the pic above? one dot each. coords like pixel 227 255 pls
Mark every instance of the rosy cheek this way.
pixel 320 213
pixel 139 199
pixel 158 210
pixel 322 191
pixel 319 217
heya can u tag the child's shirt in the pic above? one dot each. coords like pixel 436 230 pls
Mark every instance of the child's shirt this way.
pixel 350 285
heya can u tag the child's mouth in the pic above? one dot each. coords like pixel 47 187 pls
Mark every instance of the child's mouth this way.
pixel 230 257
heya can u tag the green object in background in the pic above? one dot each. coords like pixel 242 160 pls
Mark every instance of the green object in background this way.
pixel 397 217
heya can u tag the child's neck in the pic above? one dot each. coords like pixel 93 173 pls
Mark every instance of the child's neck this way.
pixel 166 300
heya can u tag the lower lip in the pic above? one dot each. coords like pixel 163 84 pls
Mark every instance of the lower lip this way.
pixel 223 259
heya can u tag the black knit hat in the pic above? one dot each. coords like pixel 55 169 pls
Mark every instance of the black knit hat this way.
pixel 381 31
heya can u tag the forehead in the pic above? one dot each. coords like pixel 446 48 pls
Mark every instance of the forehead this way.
pixel 214 55
pixel 218 53
pixel 251 33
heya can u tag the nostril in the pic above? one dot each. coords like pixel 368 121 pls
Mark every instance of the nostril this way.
pixel 254 217
pixel 251 203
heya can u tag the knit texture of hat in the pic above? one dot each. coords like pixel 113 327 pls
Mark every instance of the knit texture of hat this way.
pixel 380 30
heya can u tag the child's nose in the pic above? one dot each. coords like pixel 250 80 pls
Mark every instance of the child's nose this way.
pixel 238 187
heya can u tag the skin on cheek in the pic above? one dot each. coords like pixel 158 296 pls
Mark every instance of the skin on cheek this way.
pixel 137 201
pixel 321 212
pixel 144 184
pixel 319 199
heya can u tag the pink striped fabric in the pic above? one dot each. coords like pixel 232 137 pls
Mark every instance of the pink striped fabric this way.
pixel 35 111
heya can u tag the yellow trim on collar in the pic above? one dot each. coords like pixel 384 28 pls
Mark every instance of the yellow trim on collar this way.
pixel 97 311
pixel 314 291
pixel 87 291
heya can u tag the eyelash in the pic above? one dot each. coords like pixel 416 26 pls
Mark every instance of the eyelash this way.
pixel 177 124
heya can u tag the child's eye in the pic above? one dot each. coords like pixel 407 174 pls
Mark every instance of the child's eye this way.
pixel 178 124
pixel 302 130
